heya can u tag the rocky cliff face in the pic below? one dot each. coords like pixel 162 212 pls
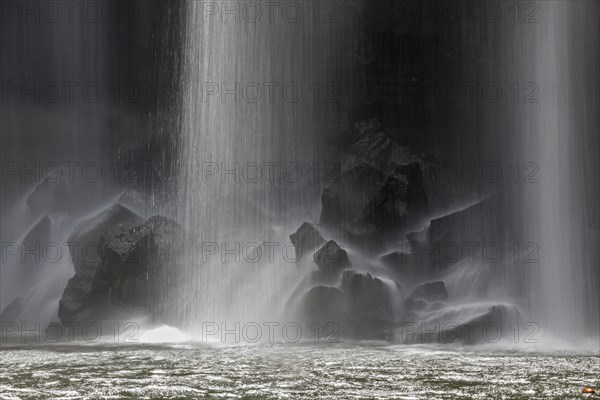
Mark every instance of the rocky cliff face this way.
pixel 371 271
pixel 385 205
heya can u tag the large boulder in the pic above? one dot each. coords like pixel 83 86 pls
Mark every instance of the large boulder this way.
pixel 137 271
pixel 356 311
pixel 367 295
pixel 398 206
pixel 324 303
pixel 473 233
pixel 305 239
pixel 488 327
pixel 332 259
pixel 371 208
pixel 116 219
pixel 470 324
pixel 343 200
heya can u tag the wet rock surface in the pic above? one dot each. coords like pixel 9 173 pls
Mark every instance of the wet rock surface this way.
pixel 137 269
pixel 331 258
pixel 366 295
pixel 380 205
pixel 305 239
pixel 116 219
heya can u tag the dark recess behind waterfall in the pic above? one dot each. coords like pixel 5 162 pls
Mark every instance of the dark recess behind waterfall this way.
pixel 397 48
pixel 147 52
pixel 136 63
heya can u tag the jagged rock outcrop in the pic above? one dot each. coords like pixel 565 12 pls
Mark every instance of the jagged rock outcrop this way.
pixel 371 208
pixel 332 259
pixel 305 239
pixel 399 205
pixel 445 191
pixel 137 271
pixel 380 205
pixel 343 200
pixel 116 219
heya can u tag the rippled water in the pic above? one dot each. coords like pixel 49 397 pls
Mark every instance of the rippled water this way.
pixel 342 370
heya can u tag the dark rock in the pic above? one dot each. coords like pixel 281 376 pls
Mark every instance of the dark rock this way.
pixel 376 146
pixel 366 295
pixel 398 206
pixel 331 258
pixel 344 199
pixel 404 264
pixel 487 327
pixel 305 239
pixel 136 265
pixel 476 226
pixel 371 327
pixel 75 295
pixel 379 148
pixel 486 324
pixel 431 291
pixel 324 303
pixel 425 294
pixel 370 208
pixel 329 307
pixel 13 311
pixel 137 271
pixel 116 219
pixel 444 190
pixel 367 127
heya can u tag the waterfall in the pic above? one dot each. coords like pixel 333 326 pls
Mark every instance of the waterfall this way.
pixel 256 99
pixel 560 208
pixel 547 134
